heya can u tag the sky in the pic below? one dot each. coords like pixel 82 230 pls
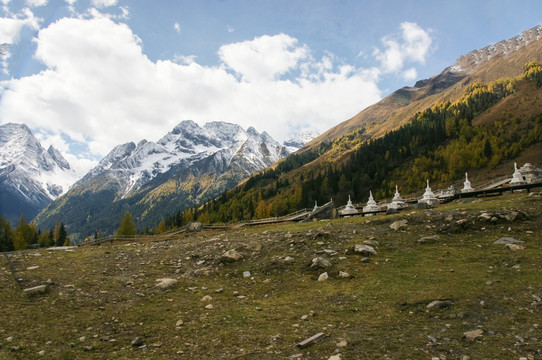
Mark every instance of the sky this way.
pixel 87 75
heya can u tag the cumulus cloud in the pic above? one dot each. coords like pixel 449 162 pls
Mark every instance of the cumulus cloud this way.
pixel 263 58
pixel 177 27
pixel 412 46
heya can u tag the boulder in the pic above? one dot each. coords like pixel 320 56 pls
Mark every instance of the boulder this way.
pixel 364 250
pixel 398 225
pixel 323 277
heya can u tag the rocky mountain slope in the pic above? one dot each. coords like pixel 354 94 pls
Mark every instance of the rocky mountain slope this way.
pixel 30 176
pixel 503 59
pixel 188 165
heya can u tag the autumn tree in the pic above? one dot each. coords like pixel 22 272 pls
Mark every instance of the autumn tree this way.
pixel 127 225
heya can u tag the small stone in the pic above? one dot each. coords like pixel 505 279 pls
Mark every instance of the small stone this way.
pixel 342 344
pixel 82 339
pixel 230 256
pixel 32 267
pixel 246 274
pixel 515 247
pixel 365 260
pixel 40 289
pixel 304 317
pixel 439 304
pixel 179 323
pixel 473 334
pixel 371 242
pixel 344 274
pixel 320 262
pixel 507 240
pixel 206 298
pixel 138 341
pixel 9 339
pixel 398 225
pixel 41 353
pixel 428 239
pixel 335 357
pixel 209 306
pixel 364 250
pixel 323 277
pixel 166 283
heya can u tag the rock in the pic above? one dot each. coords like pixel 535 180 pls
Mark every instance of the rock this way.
pixel 371 242
pixel 440 304
pixel 428 239
pixel 344 274
pixel 138 341
pixel 515 247
pixel 398 225
pixel 507 240
pixel 166 283
pixel 335 357
pixel 82 339
pixel 320 262
pixel 230 256
pixel 206 298
pixel 41 353
pixel 9 339
pixel 202 272
pixel 364 250
pixel 209 306
pixel 323 277
pixel 365 260
pixel 194 227
pixel 179 323
pixel 342 344
pixel 246 274
pixel 473 334
pixel 40 289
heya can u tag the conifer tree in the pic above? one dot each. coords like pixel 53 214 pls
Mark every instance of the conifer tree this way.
pixel 6 236
pixel 62 235
pixel 127 225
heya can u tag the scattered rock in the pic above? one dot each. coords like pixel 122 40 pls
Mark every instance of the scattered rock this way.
pixel 371 242
pixel 230 256
pixel 364 250
pixel 440 304
pixel 246 274
pixel 335 357
pixel 342 344
pixel 428 239
pixel 365 260
pixel 206 298
pixel 138 341
pixel 473 334
pixel 507 240
pixel 40 289
pixel 320 262
pixel 166 283
pixel 209 306
pixel 344 274
pixel 398 225
pixel 194 227
pixel 179 323
pixel 202 272
pixel 515 247
pixel 323 277
pixel 41 353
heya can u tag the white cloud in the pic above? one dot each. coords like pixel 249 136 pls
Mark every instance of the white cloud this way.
pixel 36 3
pixel 264 58
pixel 100 89
pixel 177 27
pixel 410 74
pixel 229 29
pixel 413 46
pixel 103 3
pixel 70 2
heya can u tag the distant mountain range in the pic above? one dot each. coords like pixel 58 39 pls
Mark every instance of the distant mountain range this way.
pixel 30 176
pixel 187 166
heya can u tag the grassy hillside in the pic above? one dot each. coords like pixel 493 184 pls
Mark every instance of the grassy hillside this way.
pixel 102 298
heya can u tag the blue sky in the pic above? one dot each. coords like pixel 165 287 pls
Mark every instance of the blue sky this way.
pixel 87 75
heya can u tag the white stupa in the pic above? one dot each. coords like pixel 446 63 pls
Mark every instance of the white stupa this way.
pixel 428 197
pixel 397 202
pixel 466 185
pixel 517 178
pixel 371 204
pixel 350 209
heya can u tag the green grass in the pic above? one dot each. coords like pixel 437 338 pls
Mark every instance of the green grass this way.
pixel 380 310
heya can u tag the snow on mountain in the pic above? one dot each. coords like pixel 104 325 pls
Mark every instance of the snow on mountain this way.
pixel 28 173
pixel 296 142
pixel 135 165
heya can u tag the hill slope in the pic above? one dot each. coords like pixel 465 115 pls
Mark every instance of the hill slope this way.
pixel 101 298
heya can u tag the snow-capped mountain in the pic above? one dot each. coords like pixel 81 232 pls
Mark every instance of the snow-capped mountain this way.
pixel 297 141
pixel 135 165
pixel 30 176
pixel 188 165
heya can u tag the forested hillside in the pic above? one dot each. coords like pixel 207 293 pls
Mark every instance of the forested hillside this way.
pixel 489 124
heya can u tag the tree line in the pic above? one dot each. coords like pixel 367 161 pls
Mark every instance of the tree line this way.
pixel 25 235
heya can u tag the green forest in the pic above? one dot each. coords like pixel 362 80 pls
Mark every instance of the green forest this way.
pixel 439 144
pixel 25 235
